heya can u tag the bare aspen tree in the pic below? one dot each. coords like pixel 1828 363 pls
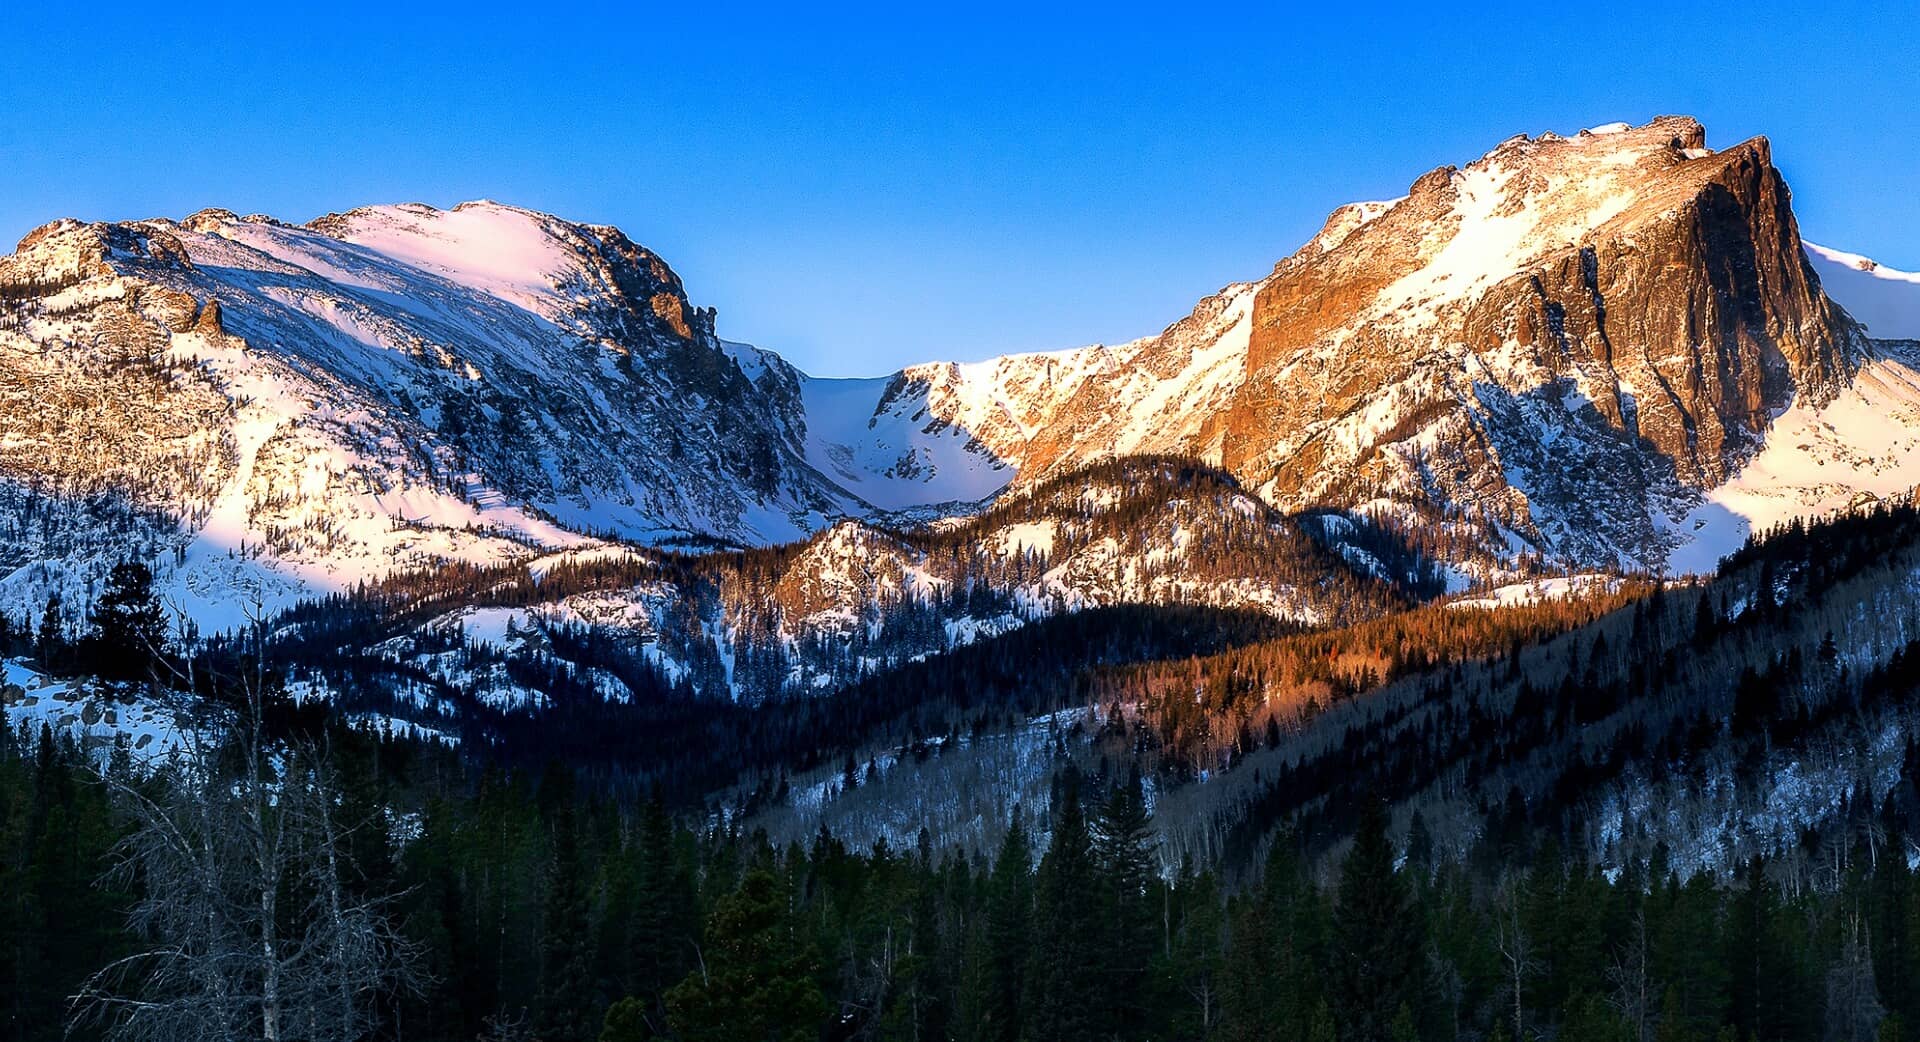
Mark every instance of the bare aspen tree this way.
pixel 1517 958
pixel 1633 987
pixel 252 925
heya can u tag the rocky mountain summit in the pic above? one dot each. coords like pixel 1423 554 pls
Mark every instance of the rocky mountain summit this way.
pixel 1566 342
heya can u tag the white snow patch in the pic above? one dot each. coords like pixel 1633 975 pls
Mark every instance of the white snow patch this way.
pixel 1883 299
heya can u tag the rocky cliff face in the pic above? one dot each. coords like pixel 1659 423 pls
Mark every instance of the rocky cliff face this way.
pixel 1563 340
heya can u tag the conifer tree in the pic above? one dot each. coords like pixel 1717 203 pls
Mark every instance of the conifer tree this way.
pixel 1380 953
pixel 997 955
pixel 50 641
pixel 567 1012
pixel 1123 855
pixel 1065 969
pixel 129 626
pixel 663 934
pixel 760 976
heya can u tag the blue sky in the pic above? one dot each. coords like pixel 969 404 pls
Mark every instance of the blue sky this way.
pixel 863 187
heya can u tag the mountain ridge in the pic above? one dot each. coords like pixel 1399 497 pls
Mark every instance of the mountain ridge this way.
pixel 392 386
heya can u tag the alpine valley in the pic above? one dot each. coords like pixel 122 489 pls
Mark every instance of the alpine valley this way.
pixel 1499 620
pixel 490 479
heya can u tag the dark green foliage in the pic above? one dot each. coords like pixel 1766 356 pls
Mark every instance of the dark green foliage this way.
pixel 759 980
pixel 1128 892
pixel 58 921
pixel 129 627
pixel 1064 986
pixel 995 974
pixel 1379 950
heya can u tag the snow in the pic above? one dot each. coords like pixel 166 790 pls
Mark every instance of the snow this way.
pixel 1536 591
pixel 99 714
pixel 491 625
pixel 1031 536
pixel 1862 446
pixel 893 459
pixel 502 250
pixel 1886 301
pixel 1211 364
pixel 219 589
pixel 1495 237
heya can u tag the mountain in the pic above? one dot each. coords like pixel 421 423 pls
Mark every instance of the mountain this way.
pixel 270 410
pixel 1603 351
pixel 1566 344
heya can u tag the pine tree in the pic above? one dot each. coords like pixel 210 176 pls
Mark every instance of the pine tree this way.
pixel 1065 953
pixel 760 978
pixel 664 931
pixel 997 953
pixel 567 1007
pixel 1195 960
pixel 1380 954
pixel 50 641
pixel 129 626
pixel 1123 855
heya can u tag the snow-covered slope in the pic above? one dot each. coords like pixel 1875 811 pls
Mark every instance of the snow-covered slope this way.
pixel 269 410
pixel 1859 448
pixel 1884 300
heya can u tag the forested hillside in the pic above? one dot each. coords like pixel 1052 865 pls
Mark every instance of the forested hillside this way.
pixel 1638 811
pixel 523 906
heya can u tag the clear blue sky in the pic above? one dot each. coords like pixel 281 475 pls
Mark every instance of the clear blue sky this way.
pixel 862 188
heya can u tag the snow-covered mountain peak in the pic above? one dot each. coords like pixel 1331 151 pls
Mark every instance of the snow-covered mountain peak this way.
pixel 517 255
pixel 1560 336
pixel 390 388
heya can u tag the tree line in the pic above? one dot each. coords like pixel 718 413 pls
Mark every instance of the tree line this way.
pixel 518 905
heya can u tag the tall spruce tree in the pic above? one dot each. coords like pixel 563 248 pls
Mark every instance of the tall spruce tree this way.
pixel 1063 977
pixel 997 953
pixel 567 1010
pixel 1123 853
pixel 129 628
pixel 1380 954
pixel 50 640
pixel 664 929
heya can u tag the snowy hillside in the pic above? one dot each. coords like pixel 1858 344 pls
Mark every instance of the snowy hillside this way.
pixel 857 600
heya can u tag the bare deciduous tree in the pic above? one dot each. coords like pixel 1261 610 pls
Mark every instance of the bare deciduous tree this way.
pixel 253 922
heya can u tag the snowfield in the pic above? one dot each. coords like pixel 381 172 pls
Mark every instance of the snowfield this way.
pixel 1886 301
pixel 1861 447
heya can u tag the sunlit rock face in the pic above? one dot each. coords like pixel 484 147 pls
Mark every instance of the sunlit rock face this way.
pixel 1560 342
